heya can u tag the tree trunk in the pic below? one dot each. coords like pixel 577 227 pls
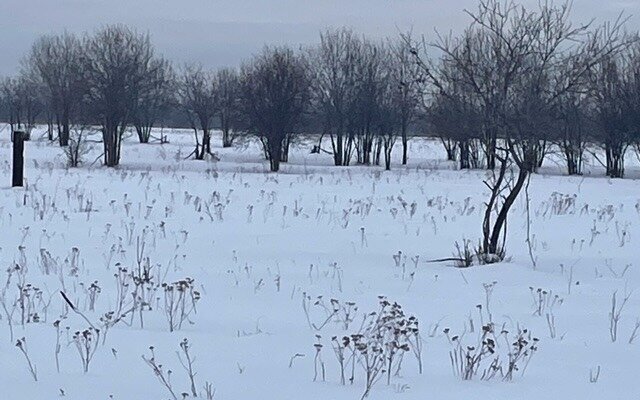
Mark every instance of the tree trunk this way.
pixel 139 132
pixel 50 129
pixel 337 149
pixel 388 147
pixel 615 161
pixel 275 153
pixel 144 133
pixel 542 153
pixel 450 148
pixel 109 140
pixel 112 138
pixel 59 126
pixel 347 149
pixel 405 145
pixel 573 156
pixel 464 154
pixel 501 220
pixel 64 134
pixel 274 164
pixel 378 151
pixel 490 154
pixel 199 150
pixel 206 141
pixel 64 138
pixel 572 166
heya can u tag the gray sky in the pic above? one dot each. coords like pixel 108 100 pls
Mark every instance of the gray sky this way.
pixel 218 33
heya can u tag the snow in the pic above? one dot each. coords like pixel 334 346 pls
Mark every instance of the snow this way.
pixel 321 230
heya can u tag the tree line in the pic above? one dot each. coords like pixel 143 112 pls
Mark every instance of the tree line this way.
pixel 516 84
pixel 358 92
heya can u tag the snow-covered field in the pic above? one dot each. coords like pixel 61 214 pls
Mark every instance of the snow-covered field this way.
pixel 259 248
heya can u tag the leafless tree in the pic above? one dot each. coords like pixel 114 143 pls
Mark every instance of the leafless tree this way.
pixel 389 116
pixel 274 97
pixel 575 126
pixel 156 98
pixel 197 99
pixel 455 118
pixel 335 82
pixel 405 88
pixel 117 61
pixel 226 86
pixel 615 83
pixel 59 61
pixel 78 146
pixel 370 73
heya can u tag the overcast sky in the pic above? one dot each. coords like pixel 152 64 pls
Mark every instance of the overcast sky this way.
pixel 217 33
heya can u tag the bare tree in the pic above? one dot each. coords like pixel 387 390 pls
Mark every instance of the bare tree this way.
pixel 197 98
pixel 78 146
pixel 391 100
pixel 335 88
pixel 405 88
pixel 455 118
pixel 388 120
pixel 156 98
pixel 58 59
pixel 614 83
pixel 118 60
pixel 275 95
pixel 370 68
pixel 50 118
pixel 226 86
pixel 575 124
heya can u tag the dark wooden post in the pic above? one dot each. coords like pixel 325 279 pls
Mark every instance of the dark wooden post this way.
pixel 18 158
